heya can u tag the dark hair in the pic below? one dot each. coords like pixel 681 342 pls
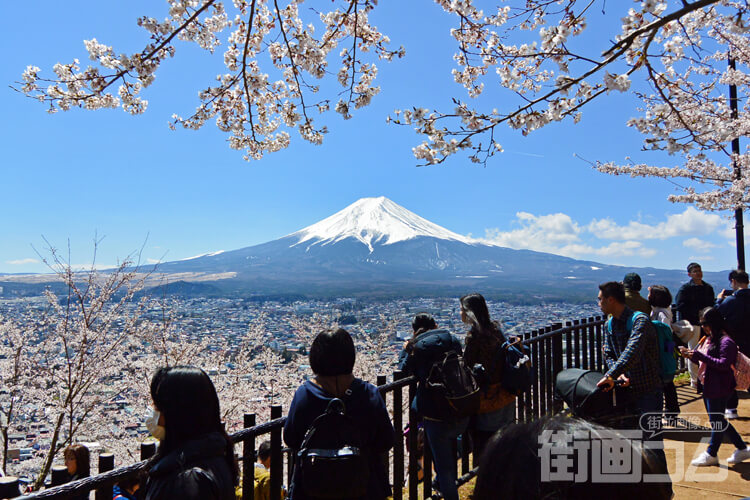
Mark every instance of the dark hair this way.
pixel 632 282
pixel 187 398
pixel 693 265
pixel 659 296
pixel 82 457
pixel 332 353
pixel 423 322
pixel 476 310
pixel 264 450
pixel 511 463
pixel 613 289
pixel 739 276
pixel 714 320
pixel 127 483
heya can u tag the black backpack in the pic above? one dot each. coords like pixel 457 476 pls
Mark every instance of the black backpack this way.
pixel 456 384
pixel 331 459
pixel 517 372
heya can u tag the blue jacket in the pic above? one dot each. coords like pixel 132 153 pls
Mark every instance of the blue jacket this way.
pixel 367 409
pixel 736 311
pixel 428 348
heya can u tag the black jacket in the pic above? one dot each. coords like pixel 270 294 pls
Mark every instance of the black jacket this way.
pixel 692 298
pixel 736 311
pixel 428 348
pixel 196 471
pixel 366 407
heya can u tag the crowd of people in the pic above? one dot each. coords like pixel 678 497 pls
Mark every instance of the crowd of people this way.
pixel 338 426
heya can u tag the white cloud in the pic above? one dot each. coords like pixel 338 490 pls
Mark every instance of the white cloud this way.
pixel 689 222
pixel 698 245
pixel 544 233
pixel 560 234
pixel 21 262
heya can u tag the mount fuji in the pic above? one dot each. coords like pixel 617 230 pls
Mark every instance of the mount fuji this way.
pixel 376 247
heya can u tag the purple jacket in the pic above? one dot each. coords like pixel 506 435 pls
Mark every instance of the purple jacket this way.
pixel 719 381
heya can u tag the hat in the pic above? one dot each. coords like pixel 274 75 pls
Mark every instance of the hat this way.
pixel 632 282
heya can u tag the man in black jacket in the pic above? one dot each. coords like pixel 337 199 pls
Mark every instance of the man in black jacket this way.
pixel 694 295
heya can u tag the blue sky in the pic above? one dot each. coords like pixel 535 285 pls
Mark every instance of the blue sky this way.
pixel 133 182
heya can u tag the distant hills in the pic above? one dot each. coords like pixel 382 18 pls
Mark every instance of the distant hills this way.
pixel 377 248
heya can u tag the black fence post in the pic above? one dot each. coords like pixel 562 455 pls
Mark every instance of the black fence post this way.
pixel 9 487
pixel 59 475
pixel 398 444
pixel 276 457
pixel 427 469
pixel 599 344
pixel 106 463
pixel 557 364
pixel 534 346
pixel 549 375
pixel 569 345
pixel 577 347
pixel 413 459
pixel 248 460
pixel 148 450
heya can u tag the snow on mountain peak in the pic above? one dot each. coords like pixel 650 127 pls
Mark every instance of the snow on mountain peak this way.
pixel 374 220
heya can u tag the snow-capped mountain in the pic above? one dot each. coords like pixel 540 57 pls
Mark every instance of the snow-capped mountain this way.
pixel 377 247
pixel 373 221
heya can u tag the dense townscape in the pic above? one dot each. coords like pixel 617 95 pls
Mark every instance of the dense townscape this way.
pixel 221 325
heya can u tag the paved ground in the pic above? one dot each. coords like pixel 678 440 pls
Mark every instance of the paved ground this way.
pixel 715 483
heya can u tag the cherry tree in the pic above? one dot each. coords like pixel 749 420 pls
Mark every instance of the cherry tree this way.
pixel 277 68
pixel 544 53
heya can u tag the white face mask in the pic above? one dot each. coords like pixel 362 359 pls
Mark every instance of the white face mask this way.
pixel 152 424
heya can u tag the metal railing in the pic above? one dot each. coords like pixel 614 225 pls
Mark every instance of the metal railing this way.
pixel 577 344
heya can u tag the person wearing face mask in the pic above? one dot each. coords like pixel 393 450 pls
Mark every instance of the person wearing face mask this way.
pixel 195 460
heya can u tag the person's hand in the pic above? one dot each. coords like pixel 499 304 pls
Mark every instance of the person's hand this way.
pixel 685 352
pixel 606 383
pixel 624 381
pixel 721 295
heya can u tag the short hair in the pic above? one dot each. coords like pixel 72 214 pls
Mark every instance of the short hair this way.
pixel 332 353
pixel 693 265
pixel 739 276
pixel 511 463
pixel 82 457
pixel 264 450
pixel 659 296
pixel 632 282
pixel 423 322
pixel 613 289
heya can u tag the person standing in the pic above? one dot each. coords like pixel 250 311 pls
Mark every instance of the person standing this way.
pixel 332 356
pixel 633 298
pixel 734 306
pixel 718 385
pixel 427 347
pixel 497 406
pixel 631 351
pixel 693 295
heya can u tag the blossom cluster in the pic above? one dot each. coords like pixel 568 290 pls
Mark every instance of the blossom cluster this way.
pixel 273 58
pixel 540 50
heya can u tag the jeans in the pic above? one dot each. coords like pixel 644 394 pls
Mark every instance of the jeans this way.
pixel 719 425
pixel 733 401
pixel 485 425
pixel 442 437
pixel 652 402
pixel 671 403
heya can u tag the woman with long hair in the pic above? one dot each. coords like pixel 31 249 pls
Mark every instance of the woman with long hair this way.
pixel 196 457
pixel 497 407
pixel 78 463
pixel 718 386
